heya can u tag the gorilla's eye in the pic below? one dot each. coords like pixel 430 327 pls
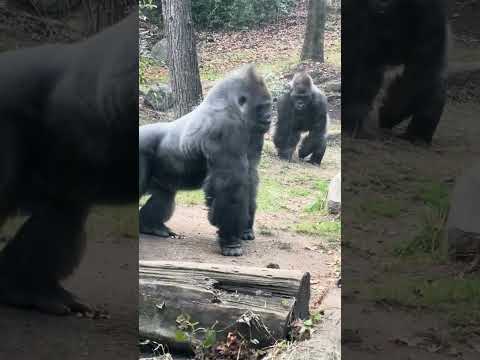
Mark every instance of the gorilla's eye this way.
pixel 242 100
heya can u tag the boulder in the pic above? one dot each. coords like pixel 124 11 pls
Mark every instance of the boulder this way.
pixel 159 97
pixel 334 197
pixel 159 51
pixel 463 225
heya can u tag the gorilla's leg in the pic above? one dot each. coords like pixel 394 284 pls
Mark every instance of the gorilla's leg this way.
pixel 248 234
pixel 427 113
pixel 358 94
pixel 227 190
pixel 143 174
pixel 158 209
pixel 46 249
pixel 314 144
pixel 397 105
pixel 286 151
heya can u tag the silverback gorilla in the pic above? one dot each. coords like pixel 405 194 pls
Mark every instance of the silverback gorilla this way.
pixel 406 35
pixel 303 108
pixel 217 146
pixel 68 122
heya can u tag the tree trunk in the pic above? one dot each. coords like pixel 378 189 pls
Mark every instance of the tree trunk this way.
pixel 259 303
pixel 315 31
pixel 182 55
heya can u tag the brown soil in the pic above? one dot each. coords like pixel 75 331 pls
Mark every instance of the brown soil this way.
pixel 374 328
pixel 107 278
pixel 288 250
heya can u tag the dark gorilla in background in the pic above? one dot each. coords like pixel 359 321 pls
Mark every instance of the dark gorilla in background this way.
pixel 303 108
pixel 68 125
pixel 408 36
pixel 217 146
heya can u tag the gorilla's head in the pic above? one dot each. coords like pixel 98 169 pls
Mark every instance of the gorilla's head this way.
pixel 301 91
pixel 246 92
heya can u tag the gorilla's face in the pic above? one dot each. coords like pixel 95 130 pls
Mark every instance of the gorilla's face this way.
pixel 382 7
pixel 256 103
pixel 301 98
pixel 301 93
pixel 263 115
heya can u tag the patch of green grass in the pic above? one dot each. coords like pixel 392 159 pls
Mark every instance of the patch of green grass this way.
pixel 279 66
pixel 320 203
pixel 190 198
pixel 434 195
pixel 297 191
pixel 271 195
pixel 429 238
pixel 328 229
pixel 382 207
pixel 211 74
pixel 443 294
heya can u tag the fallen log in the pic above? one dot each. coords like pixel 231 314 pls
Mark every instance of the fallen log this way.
pixel 259 303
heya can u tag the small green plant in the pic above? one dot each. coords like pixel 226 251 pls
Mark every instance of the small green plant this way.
pixel 320 203
pixel 429 238
pixel 144 64
pixel 200 338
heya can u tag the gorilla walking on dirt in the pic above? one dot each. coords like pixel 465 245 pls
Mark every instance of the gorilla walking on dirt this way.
pixel 218 147
pixel 303 108
pixel 394 59
pixel 68 125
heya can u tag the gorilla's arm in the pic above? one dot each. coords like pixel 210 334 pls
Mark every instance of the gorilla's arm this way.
pixel 358 93
pixel 254 154
pixel 425 76
pixel 285 137
pixel 315 142
pixel 227 189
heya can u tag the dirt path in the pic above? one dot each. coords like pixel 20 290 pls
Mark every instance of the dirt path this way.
pixel 106 278
pixel 413 305
pixel 289 251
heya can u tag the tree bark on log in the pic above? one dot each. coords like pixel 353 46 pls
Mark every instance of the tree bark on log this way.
pixel 182 55
pixel 315 31
pixel 259 303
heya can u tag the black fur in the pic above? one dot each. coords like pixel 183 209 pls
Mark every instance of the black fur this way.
pixel 379 34
pixel 303 108
pixel 68 122
pixel 217 146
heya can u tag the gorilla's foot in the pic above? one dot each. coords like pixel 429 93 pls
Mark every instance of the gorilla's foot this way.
pixel 48 299
pixel 228 251
pixel 248 235
pixel 160 231
pixel 231 247
pixel 415 140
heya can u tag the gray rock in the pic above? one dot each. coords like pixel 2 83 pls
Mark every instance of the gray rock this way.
pixel 159 97
pixel 159 51
pixel 332 86
pixel 334 197
pixel 463 225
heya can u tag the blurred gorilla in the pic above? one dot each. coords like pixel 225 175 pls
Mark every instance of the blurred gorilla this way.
pixel 68 124
pixel 409 37
pixel 217 146
pixel 303 108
